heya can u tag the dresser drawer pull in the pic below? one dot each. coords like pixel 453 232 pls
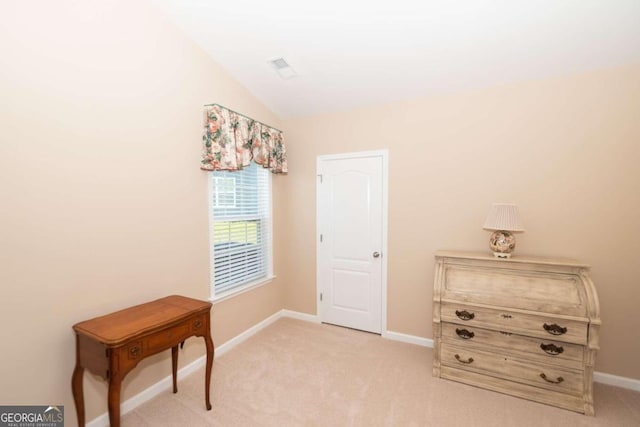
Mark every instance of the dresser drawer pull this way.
pixel 465 315
pixel 469 360
pixel 557 381
pixel 507 316
pixel 197 323
pixel 465 334
pixel 506 333
pixel 551 349
pixel 554 329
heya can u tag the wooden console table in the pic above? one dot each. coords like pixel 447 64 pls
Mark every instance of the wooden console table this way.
pixel 112 345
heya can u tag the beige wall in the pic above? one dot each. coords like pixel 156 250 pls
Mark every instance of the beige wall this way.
pixel 565 150
pixel 103 205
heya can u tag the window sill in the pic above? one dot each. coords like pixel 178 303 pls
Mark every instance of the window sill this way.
pixel 241 289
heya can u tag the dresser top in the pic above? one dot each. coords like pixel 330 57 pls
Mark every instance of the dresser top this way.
pixel 517 259
pixel 116 328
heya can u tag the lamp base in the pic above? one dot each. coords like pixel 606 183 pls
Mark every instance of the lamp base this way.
pixel 502 243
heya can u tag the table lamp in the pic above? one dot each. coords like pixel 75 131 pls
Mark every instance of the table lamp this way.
pixel 503 219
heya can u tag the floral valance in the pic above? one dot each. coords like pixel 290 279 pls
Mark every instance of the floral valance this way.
pixel 231 140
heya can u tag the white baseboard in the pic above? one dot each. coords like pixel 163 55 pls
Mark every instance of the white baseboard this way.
pixel 300 316
pixel 166 383
pixel 411 339
pixel 615 380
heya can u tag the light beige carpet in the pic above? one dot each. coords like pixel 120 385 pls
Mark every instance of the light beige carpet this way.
pixel 295 373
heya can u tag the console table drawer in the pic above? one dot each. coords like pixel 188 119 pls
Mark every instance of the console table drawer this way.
pixel 165 339
pixel 542 350
pixel 503 366
pixel 545 327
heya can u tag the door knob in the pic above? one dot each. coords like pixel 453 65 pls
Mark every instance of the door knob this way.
pixel 376 254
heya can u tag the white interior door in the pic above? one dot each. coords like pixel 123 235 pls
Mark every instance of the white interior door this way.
pixel 350 240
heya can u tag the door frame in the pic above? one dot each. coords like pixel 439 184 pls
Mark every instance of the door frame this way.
pixel 384 156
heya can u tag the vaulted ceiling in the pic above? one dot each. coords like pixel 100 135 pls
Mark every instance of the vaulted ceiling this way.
pixel 350 53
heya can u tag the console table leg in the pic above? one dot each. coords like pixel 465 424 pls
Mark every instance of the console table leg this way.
pixel 174 367
pixel 114 401
pixel 210 352
pixel 78 396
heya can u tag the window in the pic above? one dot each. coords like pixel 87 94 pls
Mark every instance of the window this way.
pixel 240 234
pixel 224 195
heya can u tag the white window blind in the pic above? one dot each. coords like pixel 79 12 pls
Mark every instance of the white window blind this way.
pixel 224 195
pixel 240 208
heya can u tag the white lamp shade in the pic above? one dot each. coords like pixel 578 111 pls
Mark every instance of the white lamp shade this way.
pixel 504 216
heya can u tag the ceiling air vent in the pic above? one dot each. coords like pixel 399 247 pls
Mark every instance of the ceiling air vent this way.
pixel 282 67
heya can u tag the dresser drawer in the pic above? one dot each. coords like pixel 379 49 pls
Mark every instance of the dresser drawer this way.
pixel 546 327
pixel 548 377
pixel 525 391
pixel 537 349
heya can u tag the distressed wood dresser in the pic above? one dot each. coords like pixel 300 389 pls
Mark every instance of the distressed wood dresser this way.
pixel 523 326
